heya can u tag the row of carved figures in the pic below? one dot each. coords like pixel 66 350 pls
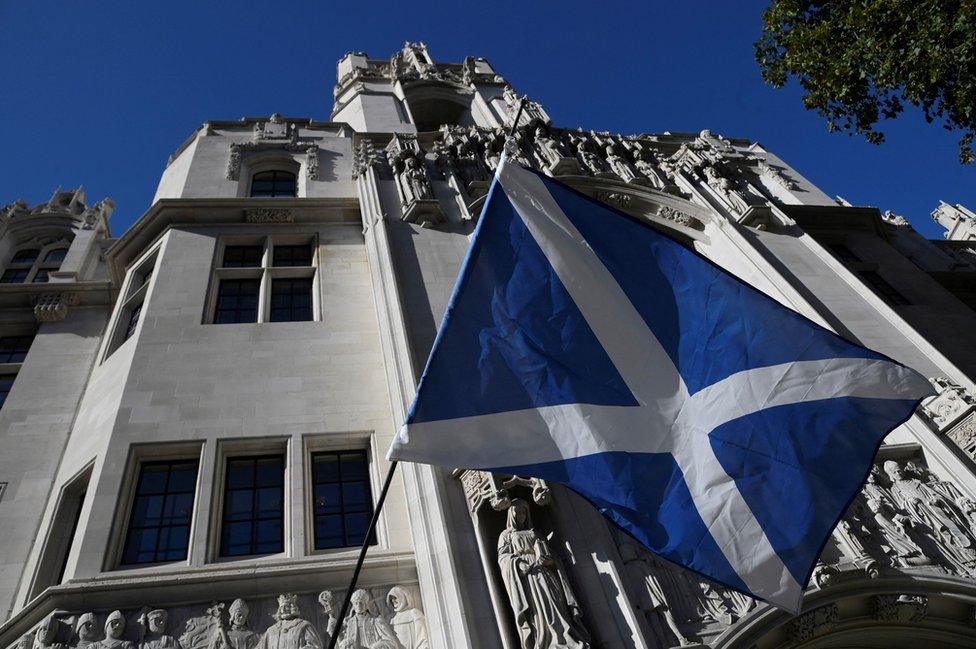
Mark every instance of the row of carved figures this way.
pixel 229 627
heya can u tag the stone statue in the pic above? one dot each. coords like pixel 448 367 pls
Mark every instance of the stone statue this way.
pixel 591 161
pixel 87 630
pixel 895 528
pixel 546 613
pixel 408 622
pixel 364 629
pixel 46 635
pixel 470 165
pixel 114 628
pixel 933 509
pixel 25 641
pixel 416 180
pixel 968 508
pixel 154 631
pixel 327 602
pixel 651 598
pixel 621 165
pixel 289 631
pixel 547 147
pixel 646 164
pixel 712 605
pixel 238 636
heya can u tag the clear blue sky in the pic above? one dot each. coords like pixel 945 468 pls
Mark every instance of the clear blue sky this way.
pixel 100 93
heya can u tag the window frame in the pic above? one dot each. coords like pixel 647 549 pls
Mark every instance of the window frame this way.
pixel 135 291
pixel 13 369
pixel 39 263
pixel 360 441
pixel 274 171
pixel 238 449
pixel 266 273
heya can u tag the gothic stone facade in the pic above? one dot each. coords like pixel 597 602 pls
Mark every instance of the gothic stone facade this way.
pixel 179 399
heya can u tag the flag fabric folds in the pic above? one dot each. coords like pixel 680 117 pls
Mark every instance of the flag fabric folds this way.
pixel 722 430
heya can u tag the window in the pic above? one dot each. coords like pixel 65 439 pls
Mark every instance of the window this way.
pixel 13 352
pixel 883 289
pixel 271 280
pixel 273 184
pixel 34 264
pixel 343 503
pixel 254 506
pixel 64 524
pixel 133 302
pixel 159 523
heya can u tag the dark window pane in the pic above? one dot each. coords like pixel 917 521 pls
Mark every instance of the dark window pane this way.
pixel 40 276
pixel 343 502
pixel 55 256
pixel 254 512
pixel 883 289
pixel 14 276
pixel 133 321
pixel 291 300
pixel 6 382
pixel 159 524
pixel 13 349
pixel 273 184
pixel 26 256
pixel 243 256
pixel 237 301
pixel 293 255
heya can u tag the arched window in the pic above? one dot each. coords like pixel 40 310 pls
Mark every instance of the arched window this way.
pixel 273 184
pixel 29 265
pixel 52 261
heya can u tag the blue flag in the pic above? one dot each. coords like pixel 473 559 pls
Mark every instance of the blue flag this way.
pixel 723 431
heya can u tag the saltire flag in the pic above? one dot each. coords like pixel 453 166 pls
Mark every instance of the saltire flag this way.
pixel 722 430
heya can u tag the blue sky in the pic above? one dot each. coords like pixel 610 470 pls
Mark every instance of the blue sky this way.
pixel 100 93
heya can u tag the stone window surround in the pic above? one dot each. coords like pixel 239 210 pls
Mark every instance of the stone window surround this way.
pixel 266 272
pixel 135 290
pixel 239 448
pixel 140 454
pixel 254 162
pixel 12 329
pixel 44 245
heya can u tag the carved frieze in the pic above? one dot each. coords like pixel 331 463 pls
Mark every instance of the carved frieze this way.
pixel 900 608
pixel 366 157
pixel 269 215
pixel 53 307
pixel 814 623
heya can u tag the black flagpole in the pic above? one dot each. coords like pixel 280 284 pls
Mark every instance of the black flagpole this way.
pixel 382 499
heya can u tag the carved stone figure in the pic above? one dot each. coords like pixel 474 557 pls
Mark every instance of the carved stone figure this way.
pixel 364 629
pixel 154 634
pixel 546 612
pixel 87 630
pixel 25 641
pixel 646 164
pixel 896 529
pixel 548 148
pixel 416 182
pixel 114 628
pixel 934 510
pixel 327 602
pixel 238 636
pixel 290 631
pixel 591 161
pixel 726 189
pixel 651 597
pixel 408 622
pixel 712 605
pixel 621 165
pixel 46 635
pixel 470 165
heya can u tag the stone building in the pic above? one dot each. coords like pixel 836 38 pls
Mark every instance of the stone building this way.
pixel 195 413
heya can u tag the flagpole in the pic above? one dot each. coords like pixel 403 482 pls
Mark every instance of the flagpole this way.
pixel 382 499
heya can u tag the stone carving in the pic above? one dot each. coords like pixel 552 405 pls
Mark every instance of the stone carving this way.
pixel 87 630
pixel 364 629
pixel 622 167
pixel 545 610
pixel 950 404
pixel 366 157
pixel 18 208
pixel 98 214
pixel 590 162
pixel 312 162
pixel 238 636
pixel 53 307
pixel 114 629
pixel 900 608
pixel 327 601
pixel 238 149
pixel 895 219
pixel 482 486
pixel 614 198
pixel 645 585
pixel 289 630
pixel 814 623
pixel 671 214
pixel 234 162
pixel 775 175
pixel 46 636
pixel 413 182
pixel 154 631
pixel 933 507
pixel 269 215
pixel 408 622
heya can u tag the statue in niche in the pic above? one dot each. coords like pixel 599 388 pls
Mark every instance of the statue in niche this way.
pixel 947 489
pixel 46 635
pixel 712 605
pixel 546 612
pixel 238 636
pixel 620 165
pixel 408 622
pixel 87 631
pixel 289 630
pixel 931 508
pixel 646 165
pixel 470 165
pixel 327 602
pixel 114 629
pixel 364 629
pixel 154 631
pixel 724 187
pixel 896 528
pixel 591 161
pixel 415 181
pixel 651 597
